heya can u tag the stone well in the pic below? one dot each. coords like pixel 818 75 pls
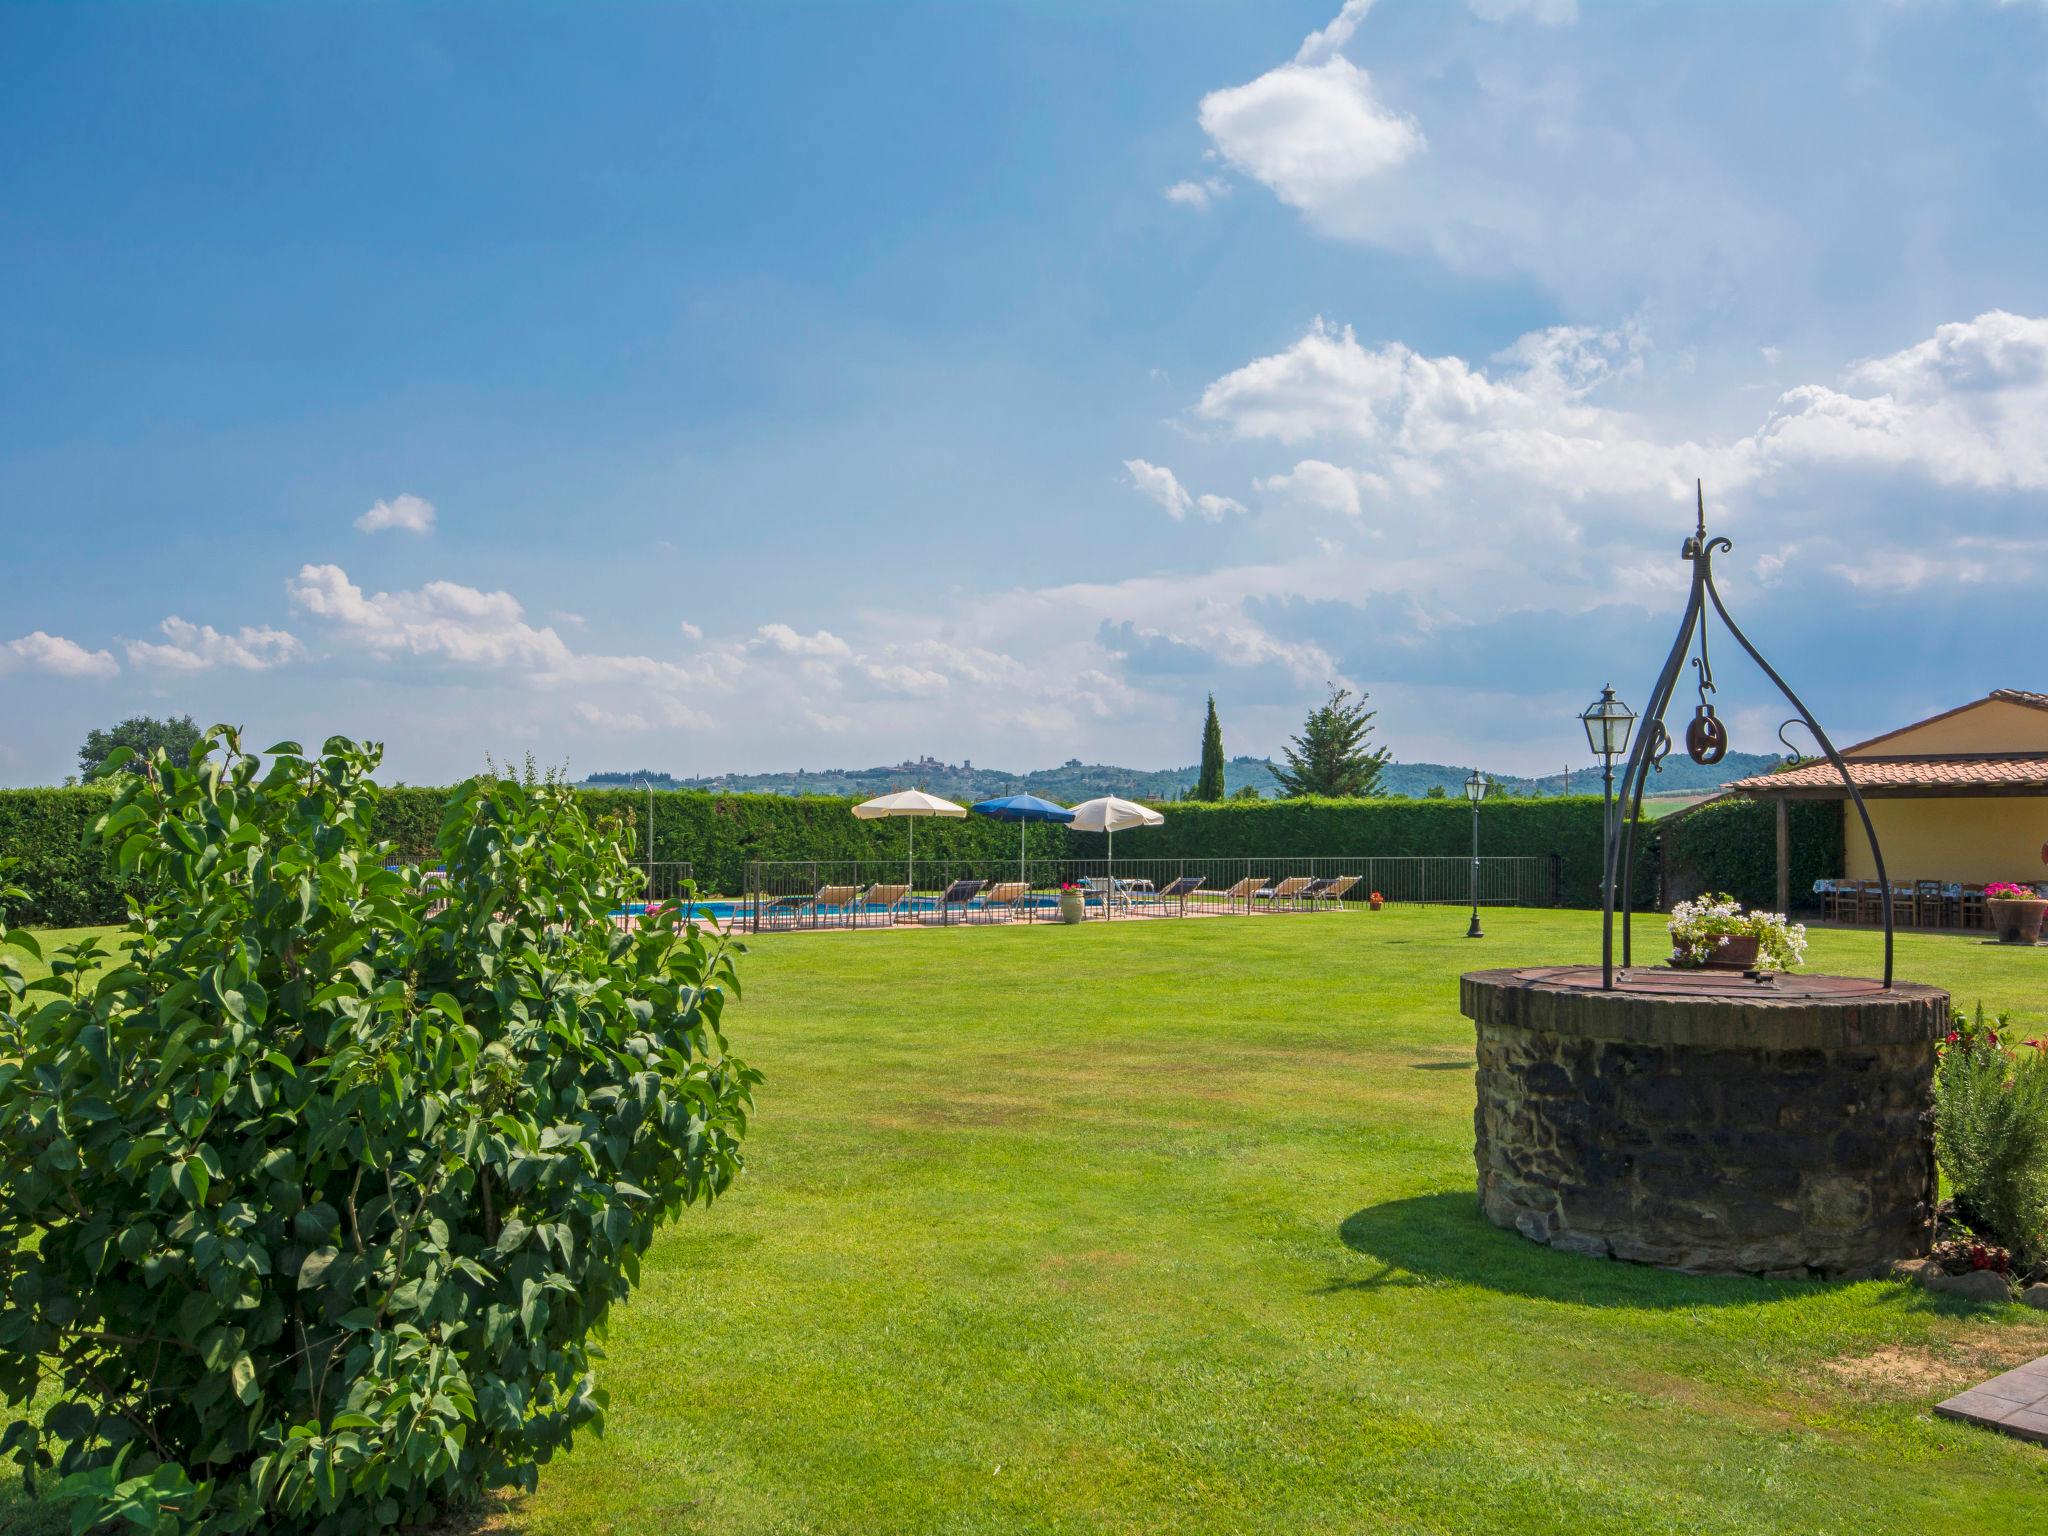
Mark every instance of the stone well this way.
pixel 1707 1121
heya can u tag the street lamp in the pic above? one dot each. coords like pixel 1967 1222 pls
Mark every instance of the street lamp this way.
pixel 1608 724
pixel 1475 791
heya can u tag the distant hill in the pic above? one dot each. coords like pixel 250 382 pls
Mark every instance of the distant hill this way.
pixel 1076 780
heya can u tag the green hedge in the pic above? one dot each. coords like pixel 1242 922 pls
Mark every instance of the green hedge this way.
pixel 45 829
pixel 720 833
pixel 1732 845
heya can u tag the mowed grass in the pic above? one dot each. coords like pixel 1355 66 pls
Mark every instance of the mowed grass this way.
pixel 1169 1227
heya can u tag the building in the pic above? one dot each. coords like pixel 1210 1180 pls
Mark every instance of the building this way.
pixel 1961 797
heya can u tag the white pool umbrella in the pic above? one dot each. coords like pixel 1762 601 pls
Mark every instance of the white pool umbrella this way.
pixel 1107 815
pixel 912 803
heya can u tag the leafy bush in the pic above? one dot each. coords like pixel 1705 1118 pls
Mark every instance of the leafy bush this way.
pixel 1732 845
pixel 318 1181
pixel 1991 1133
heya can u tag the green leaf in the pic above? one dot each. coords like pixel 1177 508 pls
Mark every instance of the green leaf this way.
pixel 313 1271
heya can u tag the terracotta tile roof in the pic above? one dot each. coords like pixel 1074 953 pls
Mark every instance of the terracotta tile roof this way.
pixel 2021 696
pixel 2006 771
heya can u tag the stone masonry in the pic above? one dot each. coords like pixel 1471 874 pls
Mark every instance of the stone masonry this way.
pixel 1708 1122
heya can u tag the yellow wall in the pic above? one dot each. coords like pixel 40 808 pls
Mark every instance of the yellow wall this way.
pixel 1972 841
pixel 1991 725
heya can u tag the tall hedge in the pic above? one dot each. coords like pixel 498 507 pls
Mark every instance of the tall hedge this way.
pixel 720 833
pixel 68 884
pixel 1732 845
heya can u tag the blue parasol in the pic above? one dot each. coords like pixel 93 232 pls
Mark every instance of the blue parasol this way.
pixel 1022 809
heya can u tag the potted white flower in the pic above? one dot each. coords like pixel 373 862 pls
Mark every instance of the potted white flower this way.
pixel 1714 933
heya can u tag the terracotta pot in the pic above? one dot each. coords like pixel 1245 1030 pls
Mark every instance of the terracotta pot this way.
pixel 1377 903
pixel 1073 906
pixel 2016 919
pixel 1736 953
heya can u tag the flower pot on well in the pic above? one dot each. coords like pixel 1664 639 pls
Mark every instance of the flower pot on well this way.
pixel 1734 952
pixel 1073 908
pixel 2016 919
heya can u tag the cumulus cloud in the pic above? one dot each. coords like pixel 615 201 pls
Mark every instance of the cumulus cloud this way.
pixel 1423 419
pixel 1963 408
pixel 1317 483
pixel 38 651
pixel 189 647
pixel 406 512
pixel 1312 133
pixel 1198 195
pixel 787 641
pixel 688 630
pixel 1159 484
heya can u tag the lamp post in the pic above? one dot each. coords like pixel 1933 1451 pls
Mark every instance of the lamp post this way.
pixel 1475 791
pixel 1608 723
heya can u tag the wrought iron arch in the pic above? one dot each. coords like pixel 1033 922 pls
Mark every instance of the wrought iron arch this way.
pixel 1655 741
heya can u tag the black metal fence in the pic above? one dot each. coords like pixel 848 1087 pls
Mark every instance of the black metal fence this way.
pixel 820 893
pixel 666 879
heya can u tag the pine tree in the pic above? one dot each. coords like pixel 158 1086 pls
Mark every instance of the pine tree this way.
pixel 1333 755
pixel 1209 785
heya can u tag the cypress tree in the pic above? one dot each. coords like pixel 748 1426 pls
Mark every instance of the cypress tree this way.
pixel 1209 785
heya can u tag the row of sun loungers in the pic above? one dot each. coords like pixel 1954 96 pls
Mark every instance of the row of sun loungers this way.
pixel 1005 900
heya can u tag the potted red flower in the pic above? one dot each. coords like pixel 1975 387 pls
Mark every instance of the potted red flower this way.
pixel 2015 912
pixel 1073 902
pixel 1377 901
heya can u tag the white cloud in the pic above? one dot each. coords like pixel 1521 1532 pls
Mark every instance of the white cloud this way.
pixel 1198 195
pixel 689 631
pixel 37 651
pixel 409 513
pixel 1158 483
pixel 1318 483
pixel 1963 408
pixel 1329 39
pixel 189 647
pixel 1313 133
pixel 1424 419
pixel 787 641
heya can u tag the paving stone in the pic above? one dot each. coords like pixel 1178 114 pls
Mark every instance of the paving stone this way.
pixel 2013 1404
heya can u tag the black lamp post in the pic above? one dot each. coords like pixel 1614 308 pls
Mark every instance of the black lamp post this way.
pixel 1475 791
pixel 1608 723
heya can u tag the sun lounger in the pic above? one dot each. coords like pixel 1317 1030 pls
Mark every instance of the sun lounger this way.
pixel 1178 891
pixel 1239 895
pixel 1000 902
pixel 878 904
pixel 1288 890
pixel 1331 890
pixel 960 894
pixel 835 903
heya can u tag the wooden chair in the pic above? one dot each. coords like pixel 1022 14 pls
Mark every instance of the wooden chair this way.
pixel 1930 904
pixel 1904 906
pixel 1972 912
pixel 1870 899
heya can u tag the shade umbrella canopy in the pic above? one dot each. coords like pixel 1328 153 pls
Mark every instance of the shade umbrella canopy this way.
pixel 1110 815
pixel 1022 809
pixel 911 803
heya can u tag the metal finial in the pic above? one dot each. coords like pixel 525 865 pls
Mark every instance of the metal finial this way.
pixel 1700 490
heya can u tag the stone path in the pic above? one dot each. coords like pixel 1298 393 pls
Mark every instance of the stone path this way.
pixel 2015 1403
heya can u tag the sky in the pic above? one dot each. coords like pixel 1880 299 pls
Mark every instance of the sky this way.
pixel 736 388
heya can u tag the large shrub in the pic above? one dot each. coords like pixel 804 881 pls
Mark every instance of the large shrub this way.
pixel 316 1184
pixel 1991 1134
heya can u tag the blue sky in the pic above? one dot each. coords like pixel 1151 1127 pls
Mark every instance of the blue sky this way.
pixel 769 386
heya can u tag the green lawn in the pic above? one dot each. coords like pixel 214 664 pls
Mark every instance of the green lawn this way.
pixel 1169 1227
